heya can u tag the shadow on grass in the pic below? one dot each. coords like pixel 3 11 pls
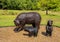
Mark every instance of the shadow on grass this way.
pixel 52 15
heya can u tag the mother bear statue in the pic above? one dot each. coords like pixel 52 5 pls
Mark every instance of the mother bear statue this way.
pixel 27 18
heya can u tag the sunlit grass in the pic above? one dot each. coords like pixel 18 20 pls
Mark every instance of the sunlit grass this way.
pixel 7 20
pixel 7 17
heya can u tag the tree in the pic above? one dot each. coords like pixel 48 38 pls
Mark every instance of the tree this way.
pixel 30 4
pixel 48 5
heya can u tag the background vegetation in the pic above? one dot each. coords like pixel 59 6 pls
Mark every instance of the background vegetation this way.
pixel 30 4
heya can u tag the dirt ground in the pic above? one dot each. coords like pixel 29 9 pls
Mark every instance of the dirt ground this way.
pixel 7 34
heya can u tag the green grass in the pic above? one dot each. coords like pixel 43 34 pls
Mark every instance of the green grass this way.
pixel 7 17
pixel 7 20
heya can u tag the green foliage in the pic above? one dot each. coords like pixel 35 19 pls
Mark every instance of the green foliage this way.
pixel 48 4
pixel 30 4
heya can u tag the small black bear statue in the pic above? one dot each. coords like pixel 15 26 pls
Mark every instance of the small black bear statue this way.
pixel 49 28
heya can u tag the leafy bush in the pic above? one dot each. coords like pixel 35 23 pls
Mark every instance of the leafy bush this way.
pixel 30 4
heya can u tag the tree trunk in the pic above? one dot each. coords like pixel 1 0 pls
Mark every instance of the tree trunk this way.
pixel 46 12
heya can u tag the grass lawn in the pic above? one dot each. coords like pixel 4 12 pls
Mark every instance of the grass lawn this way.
pixel 7 17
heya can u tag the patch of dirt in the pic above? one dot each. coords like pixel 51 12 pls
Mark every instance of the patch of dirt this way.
pixel 7 34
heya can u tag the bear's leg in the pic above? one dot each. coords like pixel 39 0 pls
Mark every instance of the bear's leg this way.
pixel 37 24
pixel 35 33
pixel 18 28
